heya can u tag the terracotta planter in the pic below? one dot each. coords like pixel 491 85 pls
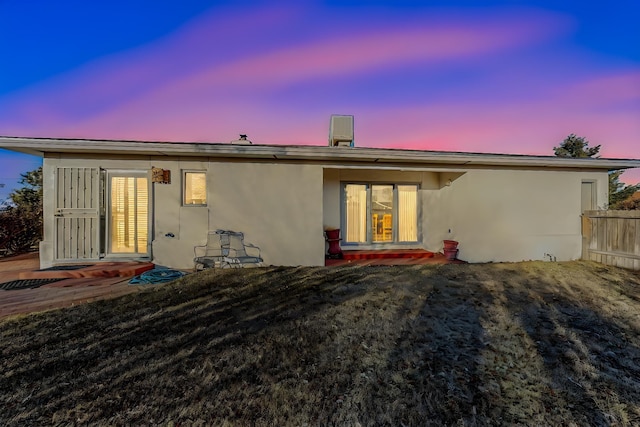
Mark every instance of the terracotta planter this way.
pixel 451 254
pixel 333 238
pixel 450 244
pixel 332 234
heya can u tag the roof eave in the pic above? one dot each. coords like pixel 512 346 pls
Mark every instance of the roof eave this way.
pixel 373 156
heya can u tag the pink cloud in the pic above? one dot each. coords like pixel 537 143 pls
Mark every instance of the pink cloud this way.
pixel 214 79
pixel 601 91
pixel 631 177
pixel 363 53
pixel 203 60
pixel 109 82
pixel 160 90
pixel 533 128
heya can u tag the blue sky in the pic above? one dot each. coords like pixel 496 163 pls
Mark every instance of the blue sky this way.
pixel 482 76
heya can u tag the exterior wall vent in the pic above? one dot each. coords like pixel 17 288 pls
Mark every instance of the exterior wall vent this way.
pixel 341 131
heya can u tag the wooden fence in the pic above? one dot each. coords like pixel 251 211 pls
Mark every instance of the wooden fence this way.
pixel 612 238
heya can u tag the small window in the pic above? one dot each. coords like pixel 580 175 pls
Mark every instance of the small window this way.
pixel 195 189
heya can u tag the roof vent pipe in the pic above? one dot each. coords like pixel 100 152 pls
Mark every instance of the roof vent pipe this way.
pixel 242 141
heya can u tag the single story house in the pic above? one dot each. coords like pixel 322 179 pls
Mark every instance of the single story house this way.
pixel 115 200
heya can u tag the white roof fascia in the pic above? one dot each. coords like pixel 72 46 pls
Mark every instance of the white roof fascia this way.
pixel 372 156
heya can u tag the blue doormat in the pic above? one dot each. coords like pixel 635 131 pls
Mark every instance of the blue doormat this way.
pixel 26 284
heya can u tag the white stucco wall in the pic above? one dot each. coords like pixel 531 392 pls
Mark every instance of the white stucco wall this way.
pixel 275 206
pixel 177 228
pixel 174 230
pixel 496 215
pixel 510 215
pixel 278 207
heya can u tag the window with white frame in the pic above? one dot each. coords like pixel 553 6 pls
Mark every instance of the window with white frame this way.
pixel 380 213
pixel 194 191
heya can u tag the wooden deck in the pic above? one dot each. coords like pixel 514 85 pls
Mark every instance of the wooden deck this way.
pixel 76 288
pixel 102 269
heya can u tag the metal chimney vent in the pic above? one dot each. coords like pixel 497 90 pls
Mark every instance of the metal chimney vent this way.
pixel 242 140
pixel 341 131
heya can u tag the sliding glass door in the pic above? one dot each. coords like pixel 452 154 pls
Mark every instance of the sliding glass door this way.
pixel 407 213
pixel 356 213
pixel 380 213
pixel 128 223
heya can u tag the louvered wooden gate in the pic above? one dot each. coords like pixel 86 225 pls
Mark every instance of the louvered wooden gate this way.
pixel 77 214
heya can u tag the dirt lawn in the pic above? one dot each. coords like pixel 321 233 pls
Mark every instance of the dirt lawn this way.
pixel 467 345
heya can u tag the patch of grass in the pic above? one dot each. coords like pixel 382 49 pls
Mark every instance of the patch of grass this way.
pixel 500 344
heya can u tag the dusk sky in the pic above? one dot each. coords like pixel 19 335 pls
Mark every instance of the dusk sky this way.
pixel 511 77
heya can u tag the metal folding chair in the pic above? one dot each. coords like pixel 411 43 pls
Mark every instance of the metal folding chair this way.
pixel 239 253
